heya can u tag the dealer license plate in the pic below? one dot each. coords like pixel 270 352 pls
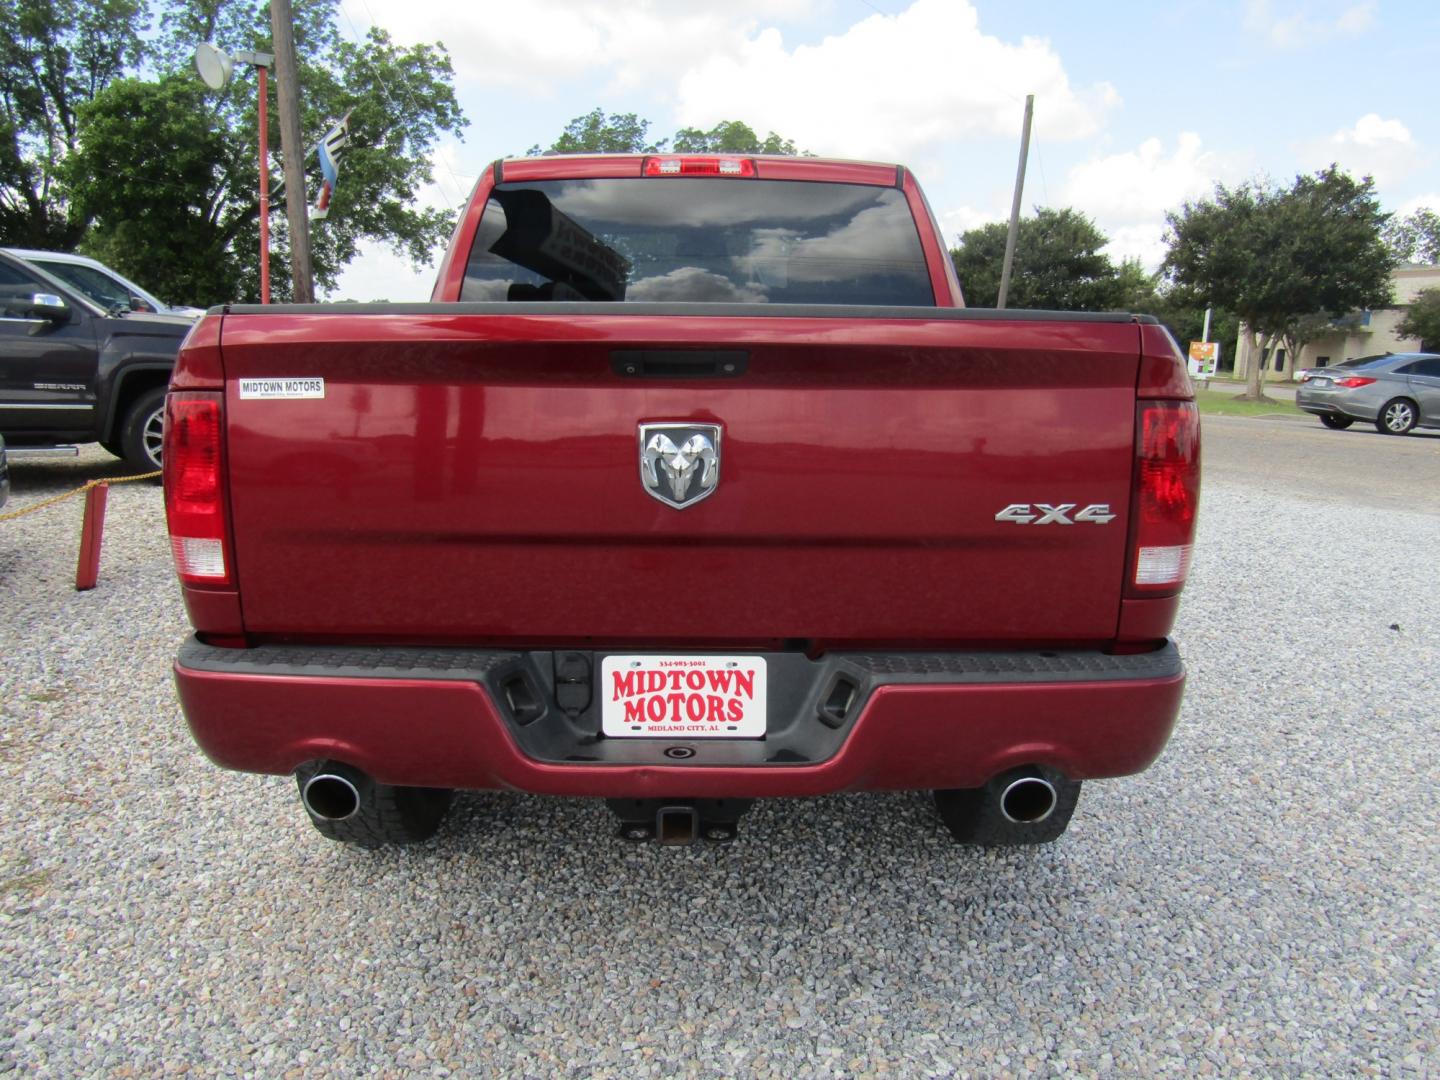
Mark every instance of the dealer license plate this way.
pixel 683 697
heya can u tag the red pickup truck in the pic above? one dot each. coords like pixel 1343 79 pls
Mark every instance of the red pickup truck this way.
pixel 694 483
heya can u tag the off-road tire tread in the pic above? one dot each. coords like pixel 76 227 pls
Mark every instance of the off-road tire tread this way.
pixel 131 442
pixel 387 815
pixel 973 816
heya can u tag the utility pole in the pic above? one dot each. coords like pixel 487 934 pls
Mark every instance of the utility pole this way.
pixel 1014 232
pixel 1205 340
pixel 287 100
pixel 263 69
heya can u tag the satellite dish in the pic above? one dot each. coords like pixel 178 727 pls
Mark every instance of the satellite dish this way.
pixel 214 65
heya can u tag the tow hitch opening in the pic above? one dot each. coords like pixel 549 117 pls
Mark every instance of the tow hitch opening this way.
pixel 679 822
pixel 677 825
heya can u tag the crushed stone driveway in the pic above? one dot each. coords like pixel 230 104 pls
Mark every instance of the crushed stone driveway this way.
pixel 1261 901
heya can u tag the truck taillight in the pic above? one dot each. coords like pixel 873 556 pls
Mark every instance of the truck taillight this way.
pixel 1167 496
pixel 699 166
pixel 194 487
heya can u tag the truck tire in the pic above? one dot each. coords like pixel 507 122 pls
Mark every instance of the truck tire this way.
pixel 141 430
pixel 976 816
pixel 1396 417
pixel 386 814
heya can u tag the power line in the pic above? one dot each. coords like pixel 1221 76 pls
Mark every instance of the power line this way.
pixel 1040 160
pixel 391 99
pixel 460 192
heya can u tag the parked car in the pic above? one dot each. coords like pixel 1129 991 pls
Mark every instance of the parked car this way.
pixel 1306 374
pixel 106 287
pixel 72 371
pixel 4 475
pixel 1396 393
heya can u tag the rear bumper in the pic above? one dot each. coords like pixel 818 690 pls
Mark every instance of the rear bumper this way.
pixel 444 718
pixel 1323 402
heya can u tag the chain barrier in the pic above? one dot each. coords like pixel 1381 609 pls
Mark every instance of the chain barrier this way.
pixel 43 503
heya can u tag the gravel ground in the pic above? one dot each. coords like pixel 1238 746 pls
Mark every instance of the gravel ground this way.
pixel 1262 901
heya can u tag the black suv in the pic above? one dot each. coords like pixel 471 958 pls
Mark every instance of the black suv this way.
pixel 71 372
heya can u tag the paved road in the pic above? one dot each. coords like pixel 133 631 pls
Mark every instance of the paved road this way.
pixel 1299 456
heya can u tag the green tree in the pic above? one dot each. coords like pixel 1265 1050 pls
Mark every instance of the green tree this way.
pixel 167 171
pixel 1135 288
pixel 626 133
pixel 1280 257
pixel 55 56
pixel 1415 238
pixel 596 133
pixel 1185 318
pixel 165 219
pixel 1059 265
pixel 730 137
pixel 1422 320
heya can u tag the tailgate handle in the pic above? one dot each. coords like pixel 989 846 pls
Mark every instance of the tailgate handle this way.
pixel 679 363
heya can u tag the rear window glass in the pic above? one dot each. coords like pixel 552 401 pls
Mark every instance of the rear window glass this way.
pixel 1423 366
pixel 104 290
pixel 696 240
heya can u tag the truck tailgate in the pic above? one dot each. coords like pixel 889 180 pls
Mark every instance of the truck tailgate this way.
pixel 475 476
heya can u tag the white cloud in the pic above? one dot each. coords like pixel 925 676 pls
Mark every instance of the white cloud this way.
pixel 932 79
pixel 379 274
pixel 1145 242
pixel 1143 182
pixel 1374 146
pixel 962 219
pixel 693 284
pixel 539 45
pixel 1299 28
pixel 929 76
pixel 1357 18
pixel 450 185
pixel 1129 193
pixel 1430 200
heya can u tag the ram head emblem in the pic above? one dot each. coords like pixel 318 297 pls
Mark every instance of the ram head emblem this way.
pixel 679 463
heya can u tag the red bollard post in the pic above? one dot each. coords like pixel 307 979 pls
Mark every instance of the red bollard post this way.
pixel 87 570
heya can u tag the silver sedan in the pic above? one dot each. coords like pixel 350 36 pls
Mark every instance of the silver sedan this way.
pixel 1396 393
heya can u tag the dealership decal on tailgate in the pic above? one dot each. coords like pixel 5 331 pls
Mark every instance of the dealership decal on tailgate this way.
pixel 280 389
pixel 691 697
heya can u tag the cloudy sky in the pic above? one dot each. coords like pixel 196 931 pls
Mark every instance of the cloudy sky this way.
pixel 1138 106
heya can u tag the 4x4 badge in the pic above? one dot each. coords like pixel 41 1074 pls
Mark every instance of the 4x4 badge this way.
pixel 1058 514
pixel 679 463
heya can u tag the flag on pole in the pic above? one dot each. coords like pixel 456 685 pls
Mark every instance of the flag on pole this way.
pixel 330 147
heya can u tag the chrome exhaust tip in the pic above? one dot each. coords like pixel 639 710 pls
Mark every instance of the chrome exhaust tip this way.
pixel 1028 800
pixel 329 796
